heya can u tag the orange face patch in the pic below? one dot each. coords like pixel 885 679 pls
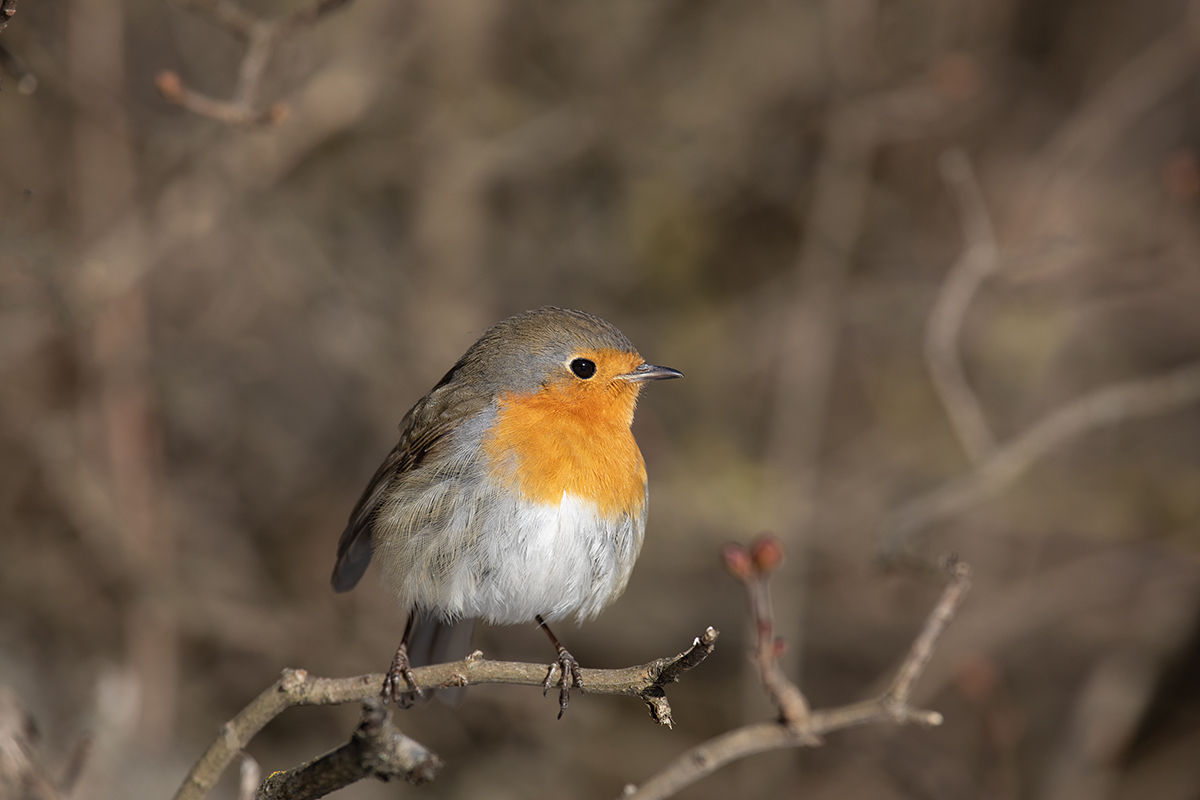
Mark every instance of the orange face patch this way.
pixel 572 436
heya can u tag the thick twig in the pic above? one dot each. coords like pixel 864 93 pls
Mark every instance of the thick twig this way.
pixel 296 688
pixel 376 750
pixel 260 36
pixel 1106 406
pixel 978 260
pixel 892 706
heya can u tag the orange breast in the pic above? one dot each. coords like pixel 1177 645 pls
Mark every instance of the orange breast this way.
pixel 572 437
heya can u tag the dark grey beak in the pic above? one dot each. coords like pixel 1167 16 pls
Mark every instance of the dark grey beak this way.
pixel 649 372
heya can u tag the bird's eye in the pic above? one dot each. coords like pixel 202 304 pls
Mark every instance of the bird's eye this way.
pixel 583 367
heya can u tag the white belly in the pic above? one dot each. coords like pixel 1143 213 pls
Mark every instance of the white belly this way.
pixel 507 561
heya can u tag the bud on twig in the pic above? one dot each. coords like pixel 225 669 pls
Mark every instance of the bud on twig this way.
pixel 767 552
pixel 737 561
pixel 169 84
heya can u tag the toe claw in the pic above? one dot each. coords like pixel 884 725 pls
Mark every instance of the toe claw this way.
pixel 399 673
pixel 569 674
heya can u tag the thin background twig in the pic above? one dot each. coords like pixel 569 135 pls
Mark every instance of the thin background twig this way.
pixel 1106 406
pixel 979 259
pixel 261 37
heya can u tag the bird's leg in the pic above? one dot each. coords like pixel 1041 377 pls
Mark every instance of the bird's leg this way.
pixel 400 671
pixel 567 666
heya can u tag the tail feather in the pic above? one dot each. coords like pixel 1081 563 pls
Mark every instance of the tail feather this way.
pixel 436 642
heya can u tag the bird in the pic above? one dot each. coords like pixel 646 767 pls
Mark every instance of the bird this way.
pixel 515 494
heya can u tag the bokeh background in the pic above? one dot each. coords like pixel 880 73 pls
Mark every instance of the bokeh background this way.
pixel 208 335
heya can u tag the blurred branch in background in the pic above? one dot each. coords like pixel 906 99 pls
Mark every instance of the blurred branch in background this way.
pixel 979 259
pixel 797 725
pixel 22 776
pixel 812 319
pixel 1146 596
pixel 297 688
pixel 128 447
pixel 261 37
pixel 1091 132
pixel 998 467
pixel 234 318
pixel 1106 406
pixel 14 66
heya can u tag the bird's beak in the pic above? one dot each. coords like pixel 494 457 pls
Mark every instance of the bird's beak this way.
pixel 649 372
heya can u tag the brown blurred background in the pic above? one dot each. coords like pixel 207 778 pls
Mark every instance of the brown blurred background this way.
pixel 208 335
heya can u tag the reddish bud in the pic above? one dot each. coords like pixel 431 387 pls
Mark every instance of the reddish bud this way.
pixel 737 561
pixel 780 648
pixel 169 84
pixel 767 552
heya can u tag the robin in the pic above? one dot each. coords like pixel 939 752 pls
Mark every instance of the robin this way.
pixel 516 493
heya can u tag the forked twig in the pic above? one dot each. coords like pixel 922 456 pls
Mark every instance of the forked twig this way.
pixel 804 729
pixel 296 688
pixel 376 750
pixel 260 37
pixel 1106 406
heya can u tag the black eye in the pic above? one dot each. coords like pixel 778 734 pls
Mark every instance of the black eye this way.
pixel 583 367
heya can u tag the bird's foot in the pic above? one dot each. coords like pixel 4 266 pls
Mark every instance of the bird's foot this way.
pixel 568 671
pixel 399 684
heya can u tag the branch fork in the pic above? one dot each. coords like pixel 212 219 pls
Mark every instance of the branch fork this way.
pixel 376 738
pixel 261 37
pixel 798 725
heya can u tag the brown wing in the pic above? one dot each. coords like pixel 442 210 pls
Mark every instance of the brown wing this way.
pixel 423 428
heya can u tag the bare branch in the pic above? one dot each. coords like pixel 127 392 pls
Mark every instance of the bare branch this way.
pixel 1106 406
pixel 978 260
pixel 892 706
pixel 810 329
pixel 296 688
pixel 1128 95
pixel 753 568
pixel 1094 130
pixel 922 649
pixel 376 750
pixel 171 87
pixel 260 36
